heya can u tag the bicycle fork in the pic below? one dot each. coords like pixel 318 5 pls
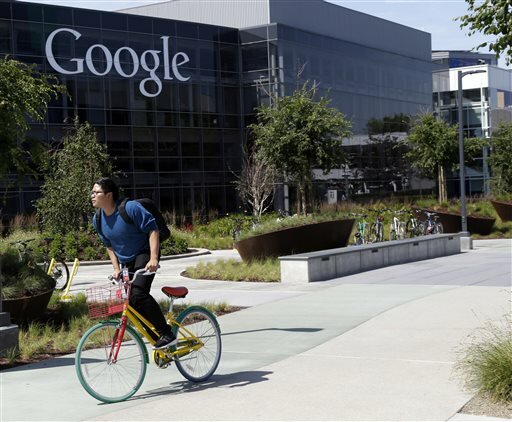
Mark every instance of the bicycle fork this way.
pixel 115 344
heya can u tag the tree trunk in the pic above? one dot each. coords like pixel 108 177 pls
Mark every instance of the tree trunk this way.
pixel 301 198
pixel 441 180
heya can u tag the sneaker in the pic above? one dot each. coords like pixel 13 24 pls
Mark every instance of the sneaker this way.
pixel 165 341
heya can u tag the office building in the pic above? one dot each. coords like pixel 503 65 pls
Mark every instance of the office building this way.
pixel 171 88
pixel 487 101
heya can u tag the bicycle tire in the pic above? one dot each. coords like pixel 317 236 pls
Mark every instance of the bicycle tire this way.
pixel 438 228
pixel 358 240
pixel 410 228
pixel 198 365
pixel 376 234
pixel 392 234
pixel 60 274
pixel 105 381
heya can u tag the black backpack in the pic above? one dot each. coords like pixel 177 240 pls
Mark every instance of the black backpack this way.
pixel 150 206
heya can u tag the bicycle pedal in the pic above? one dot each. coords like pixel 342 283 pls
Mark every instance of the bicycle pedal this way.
pixel 164 366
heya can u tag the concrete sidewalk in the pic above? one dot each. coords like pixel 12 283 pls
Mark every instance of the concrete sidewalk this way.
pixel 380 345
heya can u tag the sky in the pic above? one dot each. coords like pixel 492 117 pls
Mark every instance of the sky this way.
pixel 433 16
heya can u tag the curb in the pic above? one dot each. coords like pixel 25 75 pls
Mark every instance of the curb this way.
pixel 194 252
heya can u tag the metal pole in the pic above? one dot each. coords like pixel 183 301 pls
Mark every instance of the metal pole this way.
pixel 463 213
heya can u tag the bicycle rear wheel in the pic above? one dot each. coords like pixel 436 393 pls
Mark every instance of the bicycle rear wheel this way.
pixel 199 344
pixel 376 233
pixel 103 378
pixel 392 233
pixel 410 228
pixel 401 231
pixel 60 273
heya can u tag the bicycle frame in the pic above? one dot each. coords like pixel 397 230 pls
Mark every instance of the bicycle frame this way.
pixel 148 331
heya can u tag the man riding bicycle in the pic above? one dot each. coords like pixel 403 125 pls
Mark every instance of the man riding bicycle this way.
pixel 131 246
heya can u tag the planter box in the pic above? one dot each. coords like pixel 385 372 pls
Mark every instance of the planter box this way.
pixel 452 223
pixel 294 240
pixel 503 209
pixel 26 309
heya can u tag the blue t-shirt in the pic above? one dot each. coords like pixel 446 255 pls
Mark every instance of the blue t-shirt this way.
pixel 127 240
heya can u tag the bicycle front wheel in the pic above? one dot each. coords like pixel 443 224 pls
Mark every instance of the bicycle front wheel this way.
pixel 108 378
pixel 60 273
pixel 199 344
pixel 438 228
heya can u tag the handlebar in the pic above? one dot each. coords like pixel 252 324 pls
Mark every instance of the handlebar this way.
pixel 22 242
pixel 119 279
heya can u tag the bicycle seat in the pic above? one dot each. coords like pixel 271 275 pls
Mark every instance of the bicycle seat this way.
pixel 177 292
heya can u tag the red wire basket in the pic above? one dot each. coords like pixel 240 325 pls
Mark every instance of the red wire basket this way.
pixel 105 300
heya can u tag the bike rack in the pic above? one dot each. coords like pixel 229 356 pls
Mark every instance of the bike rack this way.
pixel 66 297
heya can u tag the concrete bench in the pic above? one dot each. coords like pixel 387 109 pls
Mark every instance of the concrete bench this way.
pixel 333 263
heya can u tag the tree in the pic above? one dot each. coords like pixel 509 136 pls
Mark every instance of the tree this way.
pixel 501 160
pixel 65 201
pixel 298 133
pixel 491 17
pixel 255 184
pixel 24 95
pixel 434 149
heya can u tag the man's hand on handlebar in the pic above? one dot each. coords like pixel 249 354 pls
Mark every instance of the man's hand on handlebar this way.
pixel 152 265
pixel 117 276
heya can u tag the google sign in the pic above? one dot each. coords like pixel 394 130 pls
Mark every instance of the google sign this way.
pixel 171 65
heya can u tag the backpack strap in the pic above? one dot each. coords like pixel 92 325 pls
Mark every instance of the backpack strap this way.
pixel 122 211
pixel 98 221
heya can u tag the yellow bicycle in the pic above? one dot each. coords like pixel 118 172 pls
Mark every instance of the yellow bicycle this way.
pixel 111 357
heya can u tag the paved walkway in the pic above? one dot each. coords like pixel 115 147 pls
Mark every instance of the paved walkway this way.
pixel 379 345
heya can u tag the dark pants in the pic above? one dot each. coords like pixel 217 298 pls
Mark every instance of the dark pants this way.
pixel 141 298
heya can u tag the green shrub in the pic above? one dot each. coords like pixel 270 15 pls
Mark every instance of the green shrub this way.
pixel 486 362
pixel 263 270
pixel 224 227
pixel 174 246
pixel 212 243
pixel 280 223
pixel 57 246
pixel 90 253
pixel 22 278
pixel 71 246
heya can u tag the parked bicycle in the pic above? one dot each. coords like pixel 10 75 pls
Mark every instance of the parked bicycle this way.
pixel 397 227
pixel 55 268
pixel 361 236
pixel 111 357
pixel 377 227
pixel 431 225
pixel 413 227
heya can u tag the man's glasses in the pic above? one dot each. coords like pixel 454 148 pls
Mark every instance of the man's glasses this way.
pixel 97 192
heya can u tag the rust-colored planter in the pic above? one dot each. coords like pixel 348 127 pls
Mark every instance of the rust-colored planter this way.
pixel 503 209
pixel 452 223
pixel 28 308
pixel 293 240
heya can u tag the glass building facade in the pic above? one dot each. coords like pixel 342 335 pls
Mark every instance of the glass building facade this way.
pixel 172 99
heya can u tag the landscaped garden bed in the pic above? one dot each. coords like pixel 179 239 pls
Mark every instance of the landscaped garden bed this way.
pixel 293 240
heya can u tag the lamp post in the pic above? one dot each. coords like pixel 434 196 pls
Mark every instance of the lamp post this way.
pixel 463 212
